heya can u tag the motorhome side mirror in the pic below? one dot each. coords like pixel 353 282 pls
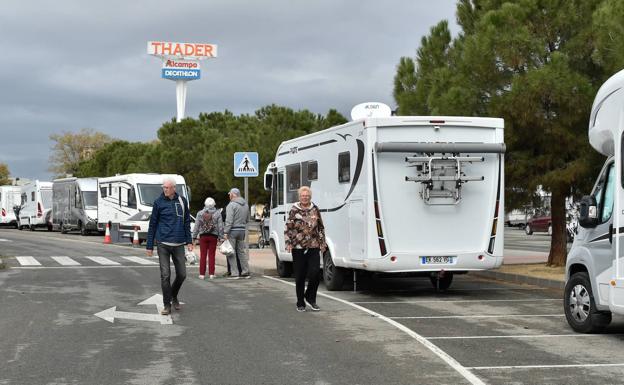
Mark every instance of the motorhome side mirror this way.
pixel 268 181
pixel 588 212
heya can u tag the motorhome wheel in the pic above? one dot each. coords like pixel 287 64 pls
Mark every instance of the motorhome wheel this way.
pixel 30 226
pixel 83 230
pixel 63 229
pixel 580 308
pixel 332 274
pixel 284 269
pixel 441 281
pixel 528 230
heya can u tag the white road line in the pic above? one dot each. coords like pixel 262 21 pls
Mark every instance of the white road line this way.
pixel 483 316
pixel 473 379
pixel 28 261
pixel 140 261
pixel 103 261
pixel 5 240
pixel 65 261
pixel 523 336
pixel 543 366
pixel 463 301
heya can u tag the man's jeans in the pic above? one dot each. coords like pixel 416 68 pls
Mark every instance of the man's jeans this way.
pixel 237 239
pixel 176 253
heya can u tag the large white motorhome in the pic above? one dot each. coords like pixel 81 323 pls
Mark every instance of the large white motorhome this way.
pixel 410 194
pixel 595 264
pixel 36 205
pixel 10 196
pixel 74 204
pixel 122 196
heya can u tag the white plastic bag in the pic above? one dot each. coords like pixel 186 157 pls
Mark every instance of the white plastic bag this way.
pixel 226 248
pixel 191 258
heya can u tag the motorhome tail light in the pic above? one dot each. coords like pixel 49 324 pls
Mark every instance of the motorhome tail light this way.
pixel 393 258
pixel 3 212
pixel 382 246
pixel 376 210
pixel 480 257
pixel 379 232
pixel 494 227
pixel 436 121
pixel 39 210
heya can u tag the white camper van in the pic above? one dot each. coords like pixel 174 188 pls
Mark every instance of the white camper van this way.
pixel 409 194
pixel 595 264
pixel 36 207
pixel 10 196
pixel 122 196
pixel 75 204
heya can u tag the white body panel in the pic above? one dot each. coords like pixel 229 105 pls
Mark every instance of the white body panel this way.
pixel 122 196
pixel 75 203
pixel 410 228
pixel 9 196
pixel 36 207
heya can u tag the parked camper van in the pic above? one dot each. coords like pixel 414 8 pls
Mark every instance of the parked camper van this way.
pixel 122 196
pixel 36 205
pixel 75 204
pixel 393 192
pixel 595 264
pixel 10 196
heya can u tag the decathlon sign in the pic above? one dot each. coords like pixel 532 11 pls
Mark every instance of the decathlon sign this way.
pixel 187 50
pixel 180 69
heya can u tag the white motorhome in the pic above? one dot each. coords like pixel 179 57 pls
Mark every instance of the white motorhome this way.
pixel 74 204
pixel 10 196
pixel 122 196
pixel 36 205
pixel 410 194
pixel 595 264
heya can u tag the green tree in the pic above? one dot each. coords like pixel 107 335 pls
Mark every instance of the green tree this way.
pixel 4 174
pixel 527 61
pixel 70 149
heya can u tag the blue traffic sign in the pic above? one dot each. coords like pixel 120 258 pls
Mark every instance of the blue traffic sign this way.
pixel 246 164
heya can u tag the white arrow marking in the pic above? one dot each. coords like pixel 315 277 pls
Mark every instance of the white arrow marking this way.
pixel 112 313
pixel 156 299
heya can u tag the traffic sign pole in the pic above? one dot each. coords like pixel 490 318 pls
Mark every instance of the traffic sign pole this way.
pixel 247 225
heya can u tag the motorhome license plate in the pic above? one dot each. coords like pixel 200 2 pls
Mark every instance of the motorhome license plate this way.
pixel 438 260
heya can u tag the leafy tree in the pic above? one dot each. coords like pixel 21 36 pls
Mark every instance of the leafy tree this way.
pixel 526 61
pixel 70 149
pixel 4 174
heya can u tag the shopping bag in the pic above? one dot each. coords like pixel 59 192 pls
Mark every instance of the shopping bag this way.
pixel 226 248
pixel 191 258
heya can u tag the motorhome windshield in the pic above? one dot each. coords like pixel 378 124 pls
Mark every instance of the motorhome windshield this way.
pixel 150 192
pixel 90 200
pixel 46 198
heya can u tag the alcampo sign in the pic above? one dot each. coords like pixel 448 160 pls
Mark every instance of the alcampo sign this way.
pixel 180 69
pixel 187 50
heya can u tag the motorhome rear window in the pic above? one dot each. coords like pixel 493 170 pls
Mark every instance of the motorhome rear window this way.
pixel 312 170
pixel 344 167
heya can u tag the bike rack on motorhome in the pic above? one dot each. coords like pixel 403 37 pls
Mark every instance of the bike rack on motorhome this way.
pixel 408 194
pixel 595 265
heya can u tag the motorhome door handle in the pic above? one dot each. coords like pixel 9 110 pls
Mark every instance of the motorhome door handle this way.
pixel 611 233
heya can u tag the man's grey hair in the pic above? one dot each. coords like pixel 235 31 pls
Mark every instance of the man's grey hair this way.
pixel 169 179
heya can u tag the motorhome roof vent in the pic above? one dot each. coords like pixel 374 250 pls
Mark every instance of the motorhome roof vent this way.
pixel 370 110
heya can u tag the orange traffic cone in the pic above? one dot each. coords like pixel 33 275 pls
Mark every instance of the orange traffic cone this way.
pixel 107 237
pixel 135 238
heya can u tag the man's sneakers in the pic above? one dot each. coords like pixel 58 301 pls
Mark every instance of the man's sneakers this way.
pixel 300 309
pixel 202 277
pixel 245 276
pixel 313 305
pixel 211 276
pixel 166 310
pixel 176 304
pixel 233 277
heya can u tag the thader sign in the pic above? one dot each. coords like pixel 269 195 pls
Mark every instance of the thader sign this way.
pixel 188 50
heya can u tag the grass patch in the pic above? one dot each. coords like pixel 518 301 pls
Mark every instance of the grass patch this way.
pixel 539 270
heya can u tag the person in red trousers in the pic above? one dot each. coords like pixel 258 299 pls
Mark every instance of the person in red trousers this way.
pixel 209 231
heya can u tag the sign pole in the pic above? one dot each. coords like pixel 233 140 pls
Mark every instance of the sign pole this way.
pixel 180 98
pixel 247 225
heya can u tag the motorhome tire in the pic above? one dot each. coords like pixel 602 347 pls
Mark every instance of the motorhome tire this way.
pixel 580 308
pixel 443 282
pixel 528 230
pixel 63 229
pixel 49 227
pixel 30 226
pixel 333 276
pixel 83 230
pixel 284 269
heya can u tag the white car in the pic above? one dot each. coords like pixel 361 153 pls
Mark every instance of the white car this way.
pixel 140 220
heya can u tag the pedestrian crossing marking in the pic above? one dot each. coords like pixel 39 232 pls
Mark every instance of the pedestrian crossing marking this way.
pixel 103 261
pixel 140 261
pixel 28 261
pixel 65 261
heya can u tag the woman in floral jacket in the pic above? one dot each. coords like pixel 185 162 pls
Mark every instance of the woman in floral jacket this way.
pixel 305 238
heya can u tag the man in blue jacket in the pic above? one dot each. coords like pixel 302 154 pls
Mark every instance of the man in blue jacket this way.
pixel 170 229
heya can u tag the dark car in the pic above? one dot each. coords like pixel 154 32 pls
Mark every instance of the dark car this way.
pixel 539 223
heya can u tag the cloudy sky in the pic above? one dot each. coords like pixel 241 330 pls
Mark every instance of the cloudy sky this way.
pixel 70 64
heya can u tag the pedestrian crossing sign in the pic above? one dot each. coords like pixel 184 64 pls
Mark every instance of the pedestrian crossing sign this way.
pixel 246 164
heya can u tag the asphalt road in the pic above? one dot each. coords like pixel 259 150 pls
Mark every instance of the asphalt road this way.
pixel 391 331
